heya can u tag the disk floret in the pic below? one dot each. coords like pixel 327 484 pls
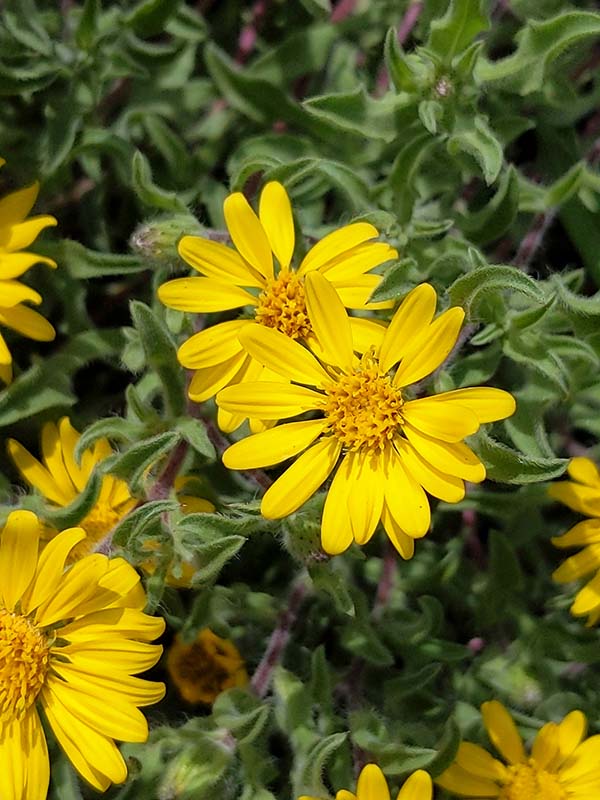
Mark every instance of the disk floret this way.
pixel 24 658
pixel 282 305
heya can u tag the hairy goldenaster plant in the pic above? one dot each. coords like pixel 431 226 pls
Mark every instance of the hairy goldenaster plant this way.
pixel 562 765
pixel 16 233
pixel 581 494
pixel 71 640
pixel 388 445
pixel 60 479
pixel 274 296
pixel 372 785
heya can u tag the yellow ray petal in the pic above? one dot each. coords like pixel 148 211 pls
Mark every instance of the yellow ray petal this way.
pixel 95 757
pixel 283 355
pixel 474 759
pixel 503 732
pixel 203 295
pixel 69 438
pixel 269 400
pixel 78 585
pixel 587 598
pixel 578 565
pixel 488 404
pixel 273 446
pixel 138 691
pixel 355 292
pixel 12 293
pixel 50 567
pixel 52 453
pixel 571 732
pixel 329 321
pixel 106 713
pixel 449 422
pixel 405 499
pixel 336 525
pixel 584 533
pixel 248 234
pixel 12 265
pixel 107 622
pixel 275 214
pixel 207 382
pixel 429 348
pixel 365 497
pixel 366 334
pixel 28 323
pixel 576 496
pixel 301 480
pixel 336 243
pixel 413 316
pixel 18 555
pixel 404 544
pixel 454 459
pixel 585 471
pixel 417 787
pixel 459 781
pixel 372 784
pixel 439 484
pixel 37 475
pixel 218 261
pixel 33 744
pixel 344 794
pixel 24 233
pixel 357 261
pixel 545 745
pixel 212 346
pixel 13 775
pixel 17 205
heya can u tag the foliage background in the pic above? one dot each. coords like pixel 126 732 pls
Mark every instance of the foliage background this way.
pixel 468 135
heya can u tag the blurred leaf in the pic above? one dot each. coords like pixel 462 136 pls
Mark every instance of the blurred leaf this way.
pixel 496 217
pixel 149 17
pixel 455 31
pixel 509 466
pixel 475 137
pixel 195 433
pixel 148 192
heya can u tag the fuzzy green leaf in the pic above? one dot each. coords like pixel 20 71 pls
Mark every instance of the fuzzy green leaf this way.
pixel 505 465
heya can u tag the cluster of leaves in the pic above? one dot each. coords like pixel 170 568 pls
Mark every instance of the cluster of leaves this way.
pixel 469 142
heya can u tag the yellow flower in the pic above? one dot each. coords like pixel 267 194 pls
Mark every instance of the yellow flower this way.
pixel 562 766
pixel 71 639
pixel 372 785
pixel 206 667
pixel 390 448
pixel 60 479
pixel 581 494
pixel 275 297
pixel 17 232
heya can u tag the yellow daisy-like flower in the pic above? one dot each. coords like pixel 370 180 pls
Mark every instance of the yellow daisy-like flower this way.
pixel 275 296
pixel 390 448
pixel 206 667
pixel 563 765
pixel 372 785
pixel 581 494
pixel 16 233
pixel 71 640
pixel 61 480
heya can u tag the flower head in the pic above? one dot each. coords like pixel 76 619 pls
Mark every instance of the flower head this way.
pixel 16 233
pixel 71 640
pixel 60 479
pixel 562 764
pixel 372 785
pixel 206 667
pixel 389 447
pixel 581 494
pixel 274 296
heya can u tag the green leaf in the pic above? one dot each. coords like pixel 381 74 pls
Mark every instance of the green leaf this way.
pixel 112 428
pixel 84 263
pixel 161 355
pixel 357 113
pixel 148 18
pixel 405 169
pixel 70 515
pixel 148 192
pixel 141 519
pixel 326 579
pixel 505 465
pixel 455 31
pixel 241 713
pixel 430 113
pixel 506 575
pixel 472 135
pixel 132 464
pixel 495 218
pixel 470 290
pixel 24 80
pixel 397 64
pixel 310 778
pixel 395 282
pixel 302 53
pixel 360 639
pixel 195 433
pixel 87 27
pixel 26 30
pixel 540 43
pixel 447 748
